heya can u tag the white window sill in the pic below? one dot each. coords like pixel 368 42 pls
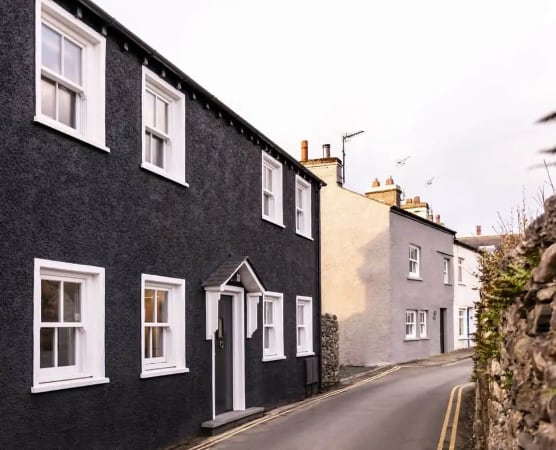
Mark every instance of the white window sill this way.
pixel 448 284
pixel 157 170
pixel 414 278
pixel 47 121
pixel 67 384
pixel 460 283
pixel 411 339
pixel 304 353
pixel 306 236
pixel 162 372
pixel 274 222
pixel 273 358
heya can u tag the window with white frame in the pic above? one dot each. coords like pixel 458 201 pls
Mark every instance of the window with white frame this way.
pixel 304 326
pixel 302 207
pixel 163 128
pixel 273 335
pixel 460 270
pixel 414 261
pixel 68 326
pixel 446 270
pixel 410 324
pixel 423 324
pixel 70 74
pixel 272 190
pixel 162 326
pixel 462 322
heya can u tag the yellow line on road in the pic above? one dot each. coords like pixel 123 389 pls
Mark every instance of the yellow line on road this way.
pixel 453 435
pixel 222 437
pixel 456 417
pixel 446 420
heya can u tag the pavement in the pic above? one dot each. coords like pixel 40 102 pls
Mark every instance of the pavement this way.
pixel 349 377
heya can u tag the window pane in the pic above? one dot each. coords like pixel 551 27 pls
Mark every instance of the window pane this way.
pixel 268 205
pixel 50 300
pixel 157 342
pixel 299 221
pixel 161 115
pixel 51 49
pixel 149 305
pixel 48 98
pixel 147 342
pixel 268 313
pixel 72 302
pixel 66 347
pixel 301 337
pixel 72 61
pixel 299 193
pixel 149 109
pixel 266 338
pixel 47 347
pixel 268 179
pixel 300 317
pixel 148 156
pixel 162 306
pixel 157 151
pixel 66 106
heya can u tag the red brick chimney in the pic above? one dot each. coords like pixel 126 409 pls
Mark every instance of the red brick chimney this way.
pixel 304 150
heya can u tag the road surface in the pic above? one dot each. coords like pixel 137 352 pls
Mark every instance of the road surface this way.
pixel 403 410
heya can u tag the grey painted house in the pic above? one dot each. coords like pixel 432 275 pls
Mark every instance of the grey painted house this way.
pixel 386 271
pixel 159 254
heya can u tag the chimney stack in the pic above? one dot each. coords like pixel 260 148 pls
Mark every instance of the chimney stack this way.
pixel 304 150
pixel 326 151
pixel 390 193
pixel 478 230
pixel 437 219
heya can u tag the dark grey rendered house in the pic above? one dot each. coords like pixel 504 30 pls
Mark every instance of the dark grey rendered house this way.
pixel 160 255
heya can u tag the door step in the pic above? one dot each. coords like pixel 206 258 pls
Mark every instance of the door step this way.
pixel 230 419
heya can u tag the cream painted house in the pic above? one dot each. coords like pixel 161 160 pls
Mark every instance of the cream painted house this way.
pixel 466 293
pixel 382 272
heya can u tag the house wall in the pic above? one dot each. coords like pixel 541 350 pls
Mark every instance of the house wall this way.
pixel 355 256
pixel 428 293
pixel 67 201
pixel 466 294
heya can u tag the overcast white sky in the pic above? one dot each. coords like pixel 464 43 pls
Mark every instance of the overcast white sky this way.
pixel 455 84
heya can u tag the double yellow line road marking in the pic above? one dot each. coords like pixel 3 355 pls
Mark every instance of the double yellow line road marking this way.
pixel 452 444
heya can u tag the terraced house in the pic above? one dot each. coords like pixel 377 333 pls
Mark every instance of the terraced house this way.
pixel 160 255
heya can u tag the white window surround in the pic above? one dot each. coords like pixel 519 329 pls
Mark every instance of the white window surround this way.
pixel 410 324
pixel 272 190
pixel 90 92
pixel 273 331
pixel 88 340
pixel 303 207
pixel 414 262
pixel 173 137
pixel 173 359
pixel 460 270
pixel 304 326
pixel 423 324
pixel 462 322
pixel 446 262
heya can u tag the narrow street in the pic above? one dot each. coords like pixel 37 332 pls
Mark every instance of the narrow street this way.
pixel 403 410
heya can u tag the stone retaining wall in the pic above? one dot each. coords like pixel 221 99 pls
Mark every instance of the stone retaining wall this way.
pixel 330 350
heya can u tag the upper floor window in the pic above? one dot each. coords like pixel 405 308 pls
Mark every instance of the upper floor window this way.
pixel 70 72
pixel 460 270
pixel 273 335
pixel 272 190
pixel 163 326
pixel 304 326
pixel 410 324
pixel 163 128
pixel 302 207
pixel 414 261
pixel 446 270
pixel 68 326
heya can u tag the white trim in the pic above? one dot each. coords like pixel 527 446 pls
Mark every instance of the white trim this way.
pixel 252 302
pixel 411 336
pixel 417 273
pixel 306 209
pixel 307 303
pixel 89 368
pixel 278 325
pixel 276 216
pixel 90 107
pixel 175 354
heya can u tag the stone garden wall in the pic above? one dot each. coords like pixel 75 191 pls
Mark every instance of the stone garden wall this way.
pixel 330 350
pixel 515 363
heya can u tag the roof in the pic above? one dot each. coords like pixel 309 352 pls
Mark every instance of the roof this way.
pixel 493 240
pixel 410 215
pixel 459 242
pixel 234 264
pixel 183 82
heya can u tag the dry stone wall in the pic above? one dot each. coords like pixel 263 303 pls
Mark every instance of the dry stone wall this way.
pixel 516 387
pixel 330 350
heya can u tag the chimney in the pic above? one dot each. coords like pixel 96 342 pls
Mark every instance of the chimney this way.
pixel 390 193
pixel 478 233
pixel 417 199
pixel 389 181
pixel 326 151
pixel 376 183
pixel 437 218
pixel 304 150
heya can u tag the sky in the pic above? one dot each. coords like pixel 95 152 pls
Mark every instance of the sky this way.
pixel 455 85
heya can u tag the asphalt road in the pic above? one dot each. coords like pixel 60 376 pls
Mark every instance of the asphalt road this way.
pixel 404 410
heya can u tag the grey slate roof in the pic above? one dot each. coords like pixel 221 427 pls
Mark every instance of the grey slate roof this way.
pixel 225 270
pixel 476 242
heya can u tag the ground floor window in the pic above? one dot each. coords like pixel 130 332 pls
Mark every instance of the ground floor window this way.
pixel 304 317
pixel 273 336
pixel 410 324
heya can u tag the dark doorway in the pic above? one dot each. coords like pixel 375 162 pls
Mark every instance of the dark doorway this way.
pixel 224 356
pixel 442 330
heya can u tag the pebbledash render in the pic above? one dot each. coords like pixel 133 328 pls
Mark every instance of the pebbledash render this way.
pixel 387 270
pixel 160 256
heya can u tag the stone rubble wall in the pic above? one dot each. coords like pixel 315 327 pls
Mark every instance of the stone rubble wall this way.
pixel 516 392
pixel 330 350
